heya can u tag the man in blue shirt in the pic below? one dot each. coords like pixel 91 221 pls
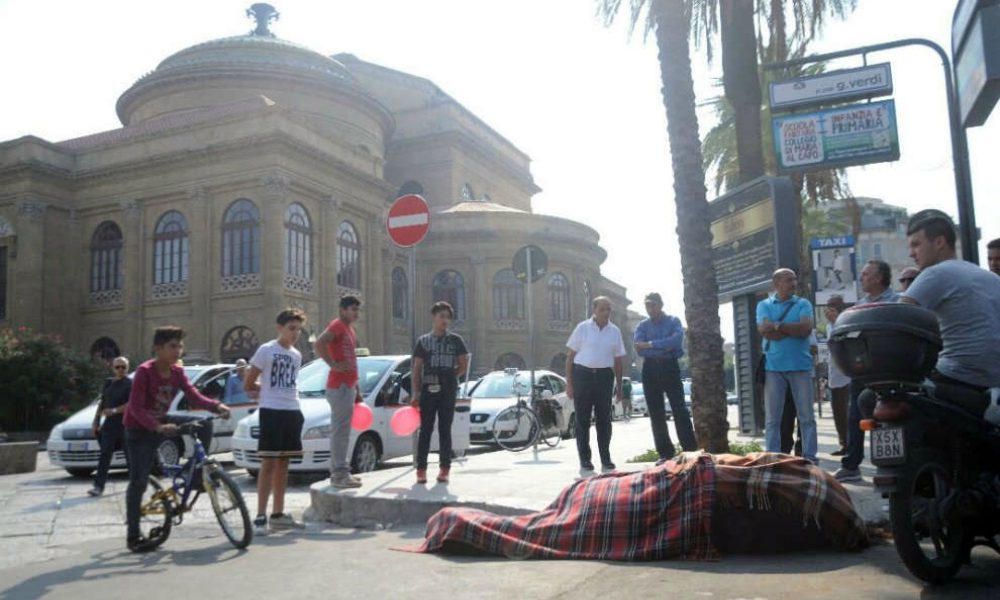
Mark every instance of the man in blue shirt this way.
pixel 785 321
pixel 659 340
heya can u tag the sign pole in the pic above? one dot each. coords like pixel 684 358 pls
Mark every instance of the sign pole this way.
pixel 413 296
pixel 528 282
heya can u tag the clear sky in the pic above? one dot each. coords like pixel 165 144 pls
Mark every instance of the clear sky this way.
pixel 582 100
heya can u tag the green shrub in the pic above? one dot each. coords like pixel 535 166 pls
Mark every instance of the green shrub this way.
pixel 740 448
pixel 42 380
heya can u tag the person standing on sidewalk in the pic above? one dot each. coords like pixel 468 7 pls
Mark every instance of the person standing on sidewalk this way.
pixel 785 322
pixel 336 346
pixel 111 434
pixel 838 383
pixel 876 283
pixel 659 340
pixel 440 358
pixel 281 419
pixel 154 386
pixel 907 277
pixel 593 373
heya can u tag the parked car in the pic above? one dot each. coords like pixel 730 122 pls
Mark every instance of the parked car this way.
pixel 383 381
pixel 732 398
pixel 499 389
pixel 639 400
pixel 72 444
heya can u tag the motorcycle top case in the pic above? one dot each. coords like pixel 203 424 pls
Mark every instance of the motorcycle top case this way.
pixel 875 343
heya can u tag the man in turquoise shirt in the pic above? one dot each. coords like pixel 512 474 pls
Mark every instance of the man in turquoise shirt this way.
pixel 785 321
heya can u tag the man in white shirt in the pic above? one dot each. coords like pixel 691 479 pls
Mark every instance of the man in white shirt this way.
pixel 594 367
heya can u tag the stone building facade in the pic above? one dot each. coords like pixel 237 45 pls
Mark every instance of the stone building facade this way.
pixel 251 174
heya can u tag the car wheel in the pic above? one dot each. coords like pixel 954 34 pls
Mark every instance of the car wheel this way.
pixel 171 451
pixel 366 454
pixel 80 472
pixel 570 427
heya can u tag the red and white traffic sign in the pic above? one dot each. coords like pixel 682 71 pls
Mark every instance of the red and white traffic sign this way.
pixel 408 221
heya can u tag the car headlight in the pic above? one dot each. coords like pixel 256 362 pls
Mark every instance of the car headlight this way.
pixel 242 429
pixel 318 433
pixel 507 416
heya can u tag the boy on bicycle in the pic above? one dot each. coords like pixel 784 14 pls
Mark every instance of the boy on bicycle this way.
pixel 440 358
pixel 154 386
pixel 280 418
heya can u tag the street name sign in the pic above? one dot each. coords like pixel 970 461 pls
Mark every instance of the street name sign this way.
pixel 837 137
pixel 408 221
pixel 836 86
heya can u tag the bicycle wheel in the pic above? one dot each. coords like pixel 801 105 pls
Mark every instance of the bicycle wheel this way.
pixel 156 514
pixel 549 430
pixel 515 428
pixel 228 504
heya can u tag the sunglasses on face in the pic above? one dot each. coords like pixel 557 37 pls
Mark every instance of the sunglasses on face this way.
pixel 120 367
pixel 907 280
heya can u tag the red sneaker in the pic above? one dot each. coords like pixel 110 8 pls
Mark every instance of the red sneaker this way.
pixel 421 475
pixel 443 474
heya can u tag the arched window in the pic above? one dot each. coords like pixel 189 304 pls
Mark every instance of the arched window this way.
pixel 348 257
pixel 559 297
pixel 400 295
pixel 239 342
pixel 105 349
pixel 298 242
pixel 449 286
pixel 170 249
pixel 106 258
pixel 508 296
pixel 510 360
pixel 467 194
pixel 411 187
pixel 241 239
pixel 558 364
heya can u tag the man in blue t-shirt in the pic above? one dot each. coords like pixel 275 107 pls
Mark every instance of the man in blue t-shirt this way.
pixel 785 321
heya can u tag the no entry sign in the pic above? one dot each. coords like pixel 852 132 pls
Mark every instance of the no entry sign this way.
pixel 408 220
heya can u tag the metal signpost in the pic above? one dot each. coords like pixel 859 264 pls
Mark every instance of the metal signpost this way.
pixel 407 224
pixel 530 264
pixel 838 137
pixel 835 86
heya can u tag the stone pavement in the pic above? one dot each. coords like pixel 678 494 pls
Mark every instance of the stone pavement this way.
pixel 515 483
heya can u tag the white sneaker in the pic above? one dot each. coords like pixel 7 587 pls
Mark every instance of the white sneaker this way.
pixel 285 521
pixel 344 481
pixel 260 527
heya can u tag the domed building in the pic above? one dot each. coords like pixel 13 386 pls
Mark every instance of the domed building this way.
pixel 251 174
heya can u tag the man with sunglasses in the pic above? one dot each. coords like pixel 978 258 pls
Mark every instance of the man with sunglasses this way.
pixel 907 277
pixel 111 434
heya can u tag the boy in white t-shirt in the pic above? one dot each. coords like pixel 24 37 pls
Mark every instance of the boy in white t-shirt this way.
pixel 273 370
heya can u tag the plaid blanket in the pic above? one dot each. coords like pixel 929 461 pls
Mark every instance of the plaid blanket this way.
pixel 790 486
pixel 663 512
pixel 654 514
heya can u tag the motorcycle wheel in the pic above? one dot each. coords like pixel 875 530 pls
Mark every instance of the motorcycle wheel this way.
pixel 928 533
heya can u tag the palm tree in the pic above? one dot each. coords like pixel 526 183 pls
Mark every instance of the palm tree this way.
pixel 670 20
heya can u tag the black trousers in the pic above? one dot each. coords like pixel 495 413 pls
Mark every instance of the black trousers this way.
pixel 140 446
pixel 592 391
pixel 662 377
pixel 439 405
pixel 111 439
pixel 789 418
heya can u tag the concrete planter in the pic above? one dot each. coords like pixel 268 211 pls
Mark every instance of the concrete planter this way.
pixel 18 457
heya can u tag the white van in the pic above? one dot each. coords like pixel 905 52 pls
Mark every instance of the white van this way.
pixel 72 444
pixel 383 381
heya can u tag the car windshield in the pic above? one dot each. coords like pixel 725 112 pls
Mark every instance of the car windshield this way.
pixel 192 373
pixel 499 386
pixel 312 377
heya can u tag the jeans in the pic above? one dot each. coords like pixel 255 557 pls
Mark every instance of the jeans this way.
pixel 663 377
pixel 442 406
pixel 140 447
pixel 801 384
pixel 855 437
pixel 789 417
pixel 592 391
pixel 341 410
pixel 110 439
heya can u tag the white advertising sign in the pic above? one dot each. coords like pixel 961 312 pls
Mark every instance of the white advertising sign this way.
pixel 850 84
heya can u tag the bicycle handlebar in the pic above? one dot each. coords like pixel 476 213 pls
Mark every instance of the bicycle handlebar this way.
pixel 191 426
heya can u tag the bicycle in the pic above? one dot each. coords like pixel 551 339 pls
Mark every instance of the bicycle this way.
pixel 166 506
pixel 521 425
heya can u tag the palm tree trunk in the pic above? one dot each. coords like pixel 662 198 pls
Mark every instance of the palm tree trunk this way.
pixel 741 82
pixel 693 222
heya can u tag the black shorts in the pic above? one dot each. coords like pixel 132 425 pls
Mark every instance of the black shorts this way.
pixel 280 433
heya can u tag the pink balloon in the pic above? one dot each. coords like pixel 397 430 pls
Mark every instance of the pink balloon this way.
pixel 362 418
pixel 405 421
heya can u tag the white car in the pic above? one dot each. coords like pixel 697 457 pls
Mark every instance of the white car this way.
pixel 639 400
pixel 383 381
pixel 72 444
pixel 496 391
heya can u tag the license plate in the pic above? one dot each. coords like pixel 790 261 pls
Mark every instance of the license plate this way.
pixel 888 445
pixel 477 429
pixel 79 447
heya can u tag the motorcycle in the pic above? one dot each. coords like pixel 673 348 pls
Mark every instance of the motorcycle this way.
pixel 937 458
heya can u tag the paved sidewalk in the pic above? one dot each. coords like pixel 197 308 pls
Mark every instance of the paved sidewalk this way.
pixel 516 483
